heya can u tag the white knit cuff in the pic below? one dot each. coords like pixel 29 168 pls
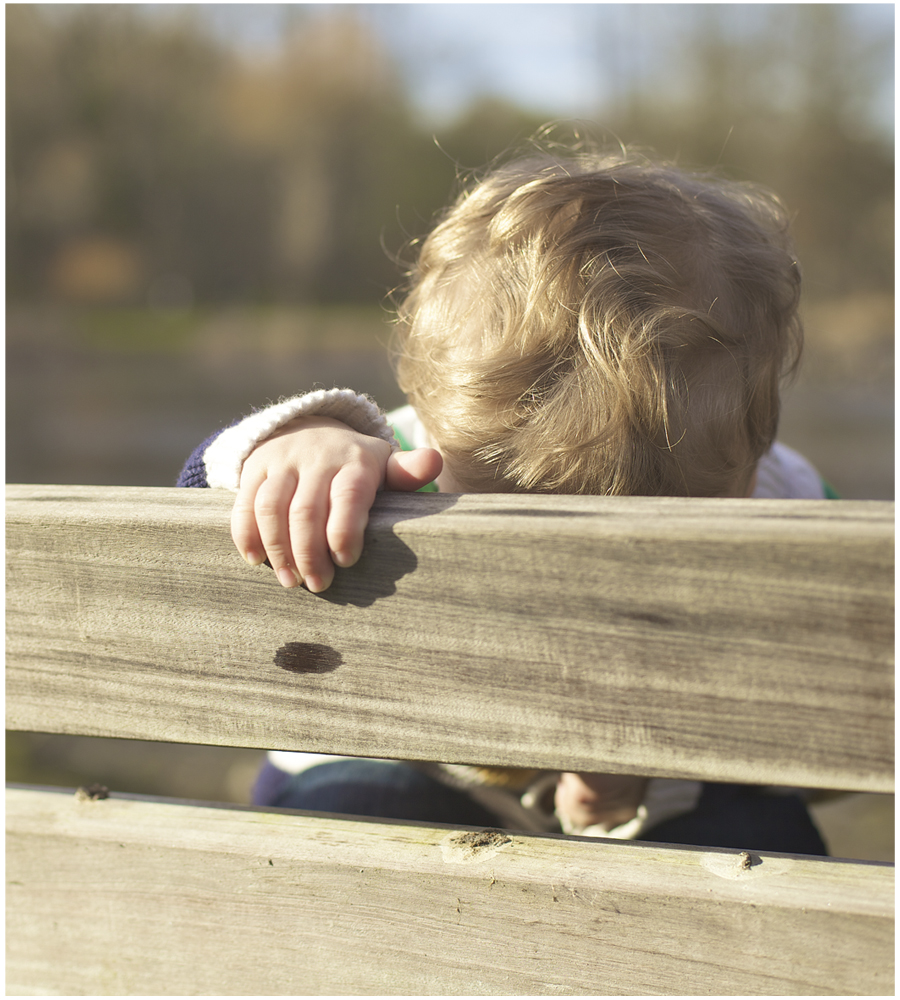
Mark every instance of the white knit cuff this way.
pixel 225 457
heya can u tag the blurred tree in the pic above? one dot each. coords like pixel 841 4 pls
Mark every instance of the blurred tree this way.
pixel 775 95
pixel 113 135
pixel 342 128
pixel 148 162
pixel 489 129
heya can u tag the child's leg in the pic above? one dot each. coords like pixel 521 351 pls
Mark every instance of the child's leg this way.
pixel 379 788
pixel 744 817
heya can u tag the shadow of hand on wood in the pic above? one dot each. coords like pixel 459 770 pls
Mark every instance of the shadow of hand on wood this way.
pixel 385 558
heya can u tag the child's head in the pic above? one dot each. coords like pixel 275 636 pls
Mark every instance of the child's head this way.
pixel 602 324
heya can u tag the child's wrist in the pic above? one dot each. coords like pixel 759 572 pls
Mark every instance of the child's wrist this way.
pixel 224 459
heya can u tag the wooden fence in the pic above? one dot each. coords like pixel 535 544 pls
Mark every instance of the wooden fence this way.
pixel 723 640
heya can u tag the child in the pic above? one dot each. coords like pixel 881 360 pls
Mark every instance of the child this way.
pixel 584 323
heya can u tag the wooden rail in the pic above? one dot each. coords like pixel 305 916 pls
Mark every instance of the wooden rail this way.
pixel 133 898
pixel 730 640
pixel 723 640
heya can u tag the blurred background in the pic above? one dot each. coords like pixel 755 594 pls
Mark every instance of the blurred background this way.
pixel 206 204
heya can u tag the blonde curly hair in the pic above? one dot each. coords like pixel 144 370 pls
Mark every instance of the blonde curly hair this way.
pixel 602 324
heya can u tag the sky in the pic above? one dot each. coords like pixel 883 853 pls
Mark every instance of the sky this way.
pixel 452 52
pixel 553 58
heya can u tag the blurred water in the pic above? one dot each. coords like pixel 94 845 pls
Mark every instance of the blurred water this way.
pixel 79 413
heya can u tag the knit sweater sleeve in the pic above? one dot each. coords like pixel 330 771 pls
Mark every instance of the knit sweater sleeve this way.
pixel 218 461
pixel 194 471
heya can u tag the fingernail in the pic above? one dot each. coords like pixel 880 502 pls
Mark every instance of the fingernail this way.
pixel 287 577
pixel 254 558
pixel 315 584
pixel 342 559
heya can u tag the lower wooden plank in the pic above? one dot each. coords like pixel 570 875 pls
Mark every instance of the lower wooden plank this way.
pixel 140 897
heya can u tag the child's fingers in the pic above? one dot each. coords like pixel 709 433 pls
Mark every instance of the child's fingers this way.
pixel 244 532
pixel 411 470
pixel 584 800
pixel 352 495
pixel 305 496
pixel 273 500
pixel 307 517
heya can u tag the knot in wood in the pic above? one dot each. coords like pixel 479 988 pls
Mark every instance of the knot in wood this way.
pixel 92 793
pixel 473 845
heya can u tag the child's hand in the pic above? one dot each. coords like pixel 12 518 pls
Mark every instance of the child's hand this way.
pixel 305 495
pixel 597 800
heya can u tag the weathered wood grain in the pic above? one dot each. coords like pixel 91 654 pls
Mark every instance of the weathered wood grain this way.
pixel 723 639
pixel 120 897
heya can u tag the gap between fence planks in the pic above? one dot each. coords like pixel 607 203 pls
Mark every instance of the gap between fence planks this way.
pixel 143 897
pixel 739 640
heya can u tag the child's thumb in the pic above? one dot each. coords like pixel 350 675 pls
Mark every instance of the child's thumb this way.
pixel 411 470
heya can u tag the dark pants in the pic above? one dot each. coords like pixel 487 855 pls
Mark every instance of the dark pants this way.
pixel 736 816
